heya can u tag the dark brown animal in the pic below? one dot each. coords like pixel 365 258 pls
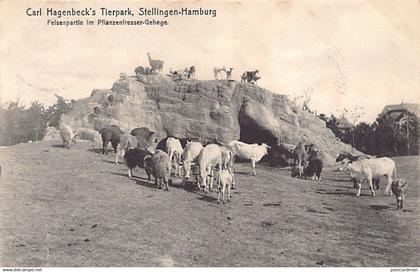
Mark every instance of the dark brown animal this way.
pixel 300 156
pixel 399 188
pixel 110 134
pixel 146 139
pixel 135 158
pixel 313 169
pixel 158 165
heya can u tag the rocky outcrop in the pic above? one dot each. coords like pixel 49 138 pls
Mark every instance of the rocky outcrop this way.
pixel 204 110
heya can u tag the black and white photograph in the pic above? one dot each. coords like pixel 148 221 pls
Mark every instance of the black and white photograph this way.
pixel 269 134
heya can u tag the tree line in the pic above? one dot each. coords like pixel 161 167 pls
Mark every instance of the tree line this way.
pixel 384 137
pixel 20 124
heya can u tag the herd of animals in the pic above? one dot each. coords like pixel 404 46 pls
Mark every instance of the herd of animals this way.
pixel 201 164
pixel 156 66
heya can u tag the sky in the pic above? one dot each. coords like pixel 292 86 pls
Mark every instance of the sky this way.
pixel 348 53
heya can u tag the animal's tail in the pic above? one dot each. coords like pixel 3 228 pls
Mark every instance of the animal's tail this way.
pixel 231 163
pixel 394 173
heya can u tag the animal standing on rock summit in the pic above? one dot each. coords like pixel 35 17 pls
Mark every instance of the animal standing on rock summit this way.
pixel 250 77
pixel 144 71
pixel 157 65
pixel 217 71
pixel 229 73
pixel 191 72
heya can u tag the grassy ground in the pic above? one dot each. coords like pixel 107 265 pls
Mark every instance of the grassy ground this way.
pixel 76 207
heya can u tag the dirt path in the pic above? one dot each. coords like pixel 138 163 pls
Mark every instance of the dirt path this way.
pixel 77 208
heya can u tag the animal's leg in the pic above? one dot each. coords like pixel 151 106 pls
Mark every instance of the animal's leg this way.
pixel 166 180
pixel 177 166
pixel 223 193
pixel 129 173
pixel 118 155
pixel 228 192
pixel 170 162
pixel 220 193
pixel 355 182
pixel 253 167
pixel 388 186
pixel 233 180
pixel 369 178
pixel 398 202
pixel 359 185
pixel 148 172
pixel 203 180
pixel 114 146
pixel 210 183
pixel 104 146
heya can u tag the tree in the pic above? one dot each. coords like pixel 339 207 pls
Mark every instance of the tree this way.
pixel 363 137
pixel 55 111
pixel 14 116
pixel 353 115
pixel 35 121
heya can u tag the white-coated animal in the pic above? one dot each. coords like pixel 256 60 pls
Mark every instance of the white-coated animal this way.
pixel 209 157
pixel 252 152
pixel 174 149
pixel 189 157
pixel 225 181
pixel 217 71
pixel 369 168
pixel 67 135
pixel 127 141
pixel 228 161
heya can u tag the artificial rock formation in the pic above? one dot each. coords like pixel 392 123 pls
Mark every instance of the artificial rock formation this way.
pixel 204 110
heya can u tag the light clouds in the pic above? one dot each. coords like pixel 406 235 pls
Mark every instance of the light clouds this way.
pixel 350 53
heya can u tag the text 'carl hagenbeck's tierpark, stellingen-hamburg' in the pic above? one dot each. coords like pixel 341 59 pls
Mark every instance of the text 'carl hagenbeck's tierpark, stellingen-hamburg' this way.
pixel 122 15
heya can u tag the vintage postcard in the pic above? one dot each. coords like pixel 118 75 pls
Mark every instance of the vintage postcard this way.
pixel 273 134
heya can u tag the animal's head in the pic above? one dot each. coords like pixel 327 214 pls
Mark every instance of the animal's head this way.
pixel 295 172
pixel 399 187
pixel 151 150
pixel 266 148
pixel 340 157
pixel 399 183
pixel 157 137
pixel 186 165
pixel 345 164
pixel 305 164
